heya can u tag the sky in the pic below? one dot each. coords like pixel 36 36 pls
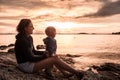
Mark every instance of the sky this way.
pixel 67 16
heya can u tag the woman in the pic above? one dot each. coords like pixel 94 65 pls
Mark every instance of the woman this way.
pixel 28 59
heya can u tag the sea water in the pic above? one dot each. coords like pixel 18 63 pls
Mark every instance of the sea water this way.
pixel 75 44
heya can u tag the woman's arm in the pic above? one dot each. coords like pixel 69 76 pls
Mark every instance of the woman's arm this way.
pixel 28 52
pixel 38 52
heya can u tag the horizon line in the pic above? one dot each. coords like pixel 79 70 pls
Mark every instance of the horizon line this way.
pixel 113 33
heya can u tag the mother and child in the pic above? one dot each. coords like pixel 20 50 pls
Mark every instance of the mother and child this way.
pixel 30 60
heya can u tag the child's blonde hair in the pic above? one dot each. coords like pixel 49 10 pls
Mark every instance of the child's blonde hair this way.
pixel 49 30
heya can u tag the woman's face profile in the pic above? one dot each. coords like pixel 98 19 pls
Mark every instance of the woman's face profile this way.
pixel 29 29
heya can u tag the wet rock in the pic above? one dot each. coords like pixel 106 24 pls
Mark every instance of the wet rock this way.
pixel 107 71
pixel 11 45
pixel 11 50
pixel 69 55
pixel 3 47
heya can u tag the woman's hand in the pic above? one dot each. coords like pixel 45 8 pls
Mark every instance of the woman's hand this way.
pixel 55 55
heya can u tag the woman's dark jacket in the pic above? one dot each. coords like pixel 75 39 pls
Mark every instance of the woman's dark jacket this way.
pixel 25 51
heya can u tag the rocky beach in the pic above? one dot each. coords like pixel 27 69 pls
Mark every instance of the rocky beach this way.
pixel 96 67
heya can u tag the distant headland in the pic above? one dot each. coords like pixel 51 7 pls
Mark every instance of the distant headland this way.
pixel 116 33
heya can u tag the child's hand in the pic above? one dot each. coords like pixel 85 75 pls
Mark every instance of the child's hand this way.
pixel 47 53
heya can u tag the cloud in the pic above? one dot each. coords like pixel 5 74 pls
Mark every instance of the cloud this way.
pixel 40 11
pixel 25 4
pixel 5 24
pixel 109 8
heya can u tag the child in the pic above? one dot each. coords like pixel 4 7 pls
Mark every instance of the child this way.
pixel 49 41
pixel 51 46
